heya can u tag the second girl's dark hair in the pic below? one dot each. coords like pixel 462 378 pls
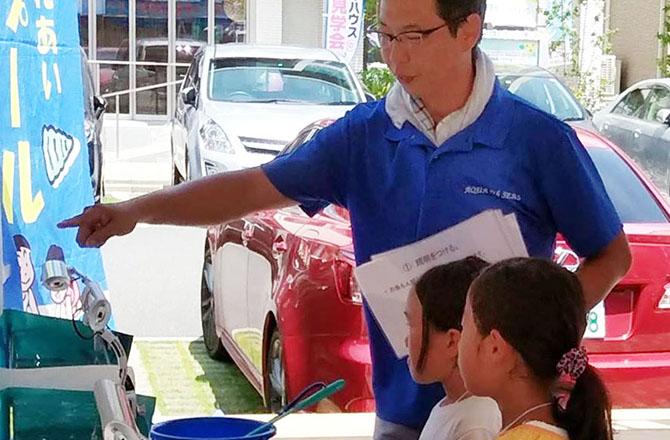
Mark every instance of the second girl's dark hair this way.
pixel 539 308
pixel 442 291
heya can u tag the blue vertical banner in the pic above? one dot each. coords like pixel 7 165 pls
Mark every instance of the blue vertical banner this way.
pixel 44 162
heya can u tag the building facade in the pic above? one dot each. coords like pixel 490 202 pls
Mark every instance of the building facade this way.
pixel 635 42
pixel 140 49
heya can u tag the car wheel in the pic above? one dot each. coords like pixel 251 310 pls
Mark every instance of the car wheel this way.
pixel 100 192
pixel 213 344
pixel 275 394
pixel 176 177
pixel 96 174
pixel 97 196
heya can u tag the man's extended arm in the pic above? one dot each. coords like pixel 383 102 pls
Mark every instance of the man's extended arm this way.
pixel 213 199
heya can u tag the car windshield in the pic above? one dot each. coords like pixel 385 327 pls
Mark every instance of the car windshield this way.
pixel 281 80
pixel 546 93
pixel 632 200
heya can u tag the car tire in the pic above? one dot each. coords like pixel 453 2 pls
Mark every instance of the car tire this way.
pixel 213 345
pixel 176 177
pixel 97 195
pixel 275 391
pixel 97 198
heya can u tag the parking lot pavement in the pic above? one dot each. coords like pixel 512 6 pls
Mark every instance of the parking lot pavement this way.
pixel 140 162
pixel 633 424
pixel 187 382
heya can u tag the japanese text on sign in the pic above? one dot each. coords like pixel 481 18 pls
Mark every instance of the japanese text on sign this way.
pixel 344 27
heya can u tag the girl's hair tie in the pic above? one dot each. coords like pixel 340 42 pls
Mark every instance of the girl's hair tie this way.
pixel 571 366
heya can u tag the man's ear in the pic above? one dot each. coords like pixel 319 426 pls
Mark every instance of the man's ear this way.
pixel 470 31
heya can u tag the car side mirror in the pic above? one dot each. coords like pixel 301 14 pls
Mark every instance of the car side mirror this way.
pixel 188 95
pixel 663 116
pixel 99 106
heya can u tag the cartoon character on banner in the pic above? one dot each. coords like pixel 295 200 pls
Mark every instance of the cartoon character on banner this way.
pixel 66 302
pixel 27 271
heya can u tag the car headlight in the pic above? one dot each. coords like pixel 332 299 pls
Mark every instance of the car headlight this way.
pixel 89 130
pixel 214 138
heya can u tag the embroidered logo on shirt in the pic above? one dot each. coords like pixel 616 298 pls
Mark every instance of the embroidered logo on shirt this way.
pixel 482 190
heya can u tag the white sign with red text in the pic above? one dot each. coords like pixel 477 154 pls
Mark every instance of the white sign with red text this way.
pixel 344 27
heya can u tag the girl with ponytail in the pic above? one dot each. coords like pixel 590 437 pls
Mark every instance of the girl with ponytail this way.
pixel 523 322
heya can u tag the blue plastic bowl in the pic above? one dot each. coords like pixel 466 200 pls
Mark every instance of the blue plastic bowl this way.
pixel 210 428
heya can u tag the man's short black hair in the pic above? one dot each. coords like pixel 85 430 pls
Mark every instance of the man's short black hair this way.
pixel 454 12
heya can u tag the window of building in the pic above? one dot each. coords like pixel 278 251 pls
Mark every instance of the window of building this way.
pixel 156 54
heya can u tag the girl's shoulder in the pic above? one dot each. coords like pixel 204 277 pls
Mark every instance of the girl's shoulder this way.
pixel 477 413
pixel 534 431
pixel 481 405
pixel 471 414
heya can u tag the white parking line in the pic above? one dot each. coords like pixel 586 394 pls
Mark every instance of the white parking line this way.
pixel 641 414
pixel 647 419
pixel 641 424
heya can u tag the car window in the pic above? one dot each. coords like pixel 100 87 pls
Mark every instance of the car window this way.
pixel 191 73
pixel 632 200
pixel 632 104
pixel 659 99
pixel 545 92
pixel 272 80
pixel 155 54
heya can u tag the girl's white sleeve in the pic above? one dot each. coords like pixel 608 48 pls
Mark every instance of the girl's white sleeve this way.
pixel 477 434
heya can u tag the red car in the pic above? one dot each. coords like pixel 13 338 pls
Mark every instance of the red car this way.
pixel 279 297
pixel 632 349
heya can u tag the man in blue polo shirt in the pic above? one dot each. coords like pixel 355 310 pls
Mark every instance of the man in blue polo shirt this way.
pixel 447 143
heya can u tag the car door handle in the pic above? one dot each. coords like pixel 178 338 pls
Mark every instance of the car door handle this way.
pixel 637 133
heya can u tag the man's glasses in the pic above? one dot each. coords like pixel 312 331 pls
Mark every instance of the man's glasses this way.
pixel 409 38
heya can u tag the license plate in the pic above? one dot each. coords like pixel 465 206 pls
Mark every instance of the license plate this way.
pixel 595 322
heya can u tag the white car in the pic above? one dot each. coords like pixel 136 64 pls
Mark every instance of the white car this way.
pixel 240 104
pixel 638 121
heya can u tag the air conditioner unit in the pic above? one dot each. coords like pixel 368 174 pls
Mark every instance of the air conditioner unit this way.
pixel 610 73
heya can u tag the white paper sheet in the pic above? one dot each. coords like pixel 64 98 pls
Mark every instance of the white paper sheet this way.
pixel 388 277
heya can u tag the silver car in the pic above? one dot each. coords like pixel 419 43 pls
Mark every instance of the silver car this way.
pixel 94 109
pixel 240 104
pixel 638 120
pixel 545 91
